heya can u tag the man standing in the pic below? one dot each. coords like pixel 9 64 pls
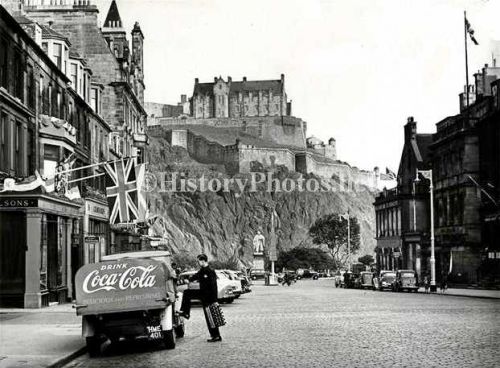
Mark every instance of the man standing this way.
pixel 207 294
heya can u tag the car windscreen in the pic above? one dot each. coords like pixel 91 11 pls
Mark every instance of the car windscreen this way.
pixel 407 274
pixel 389 275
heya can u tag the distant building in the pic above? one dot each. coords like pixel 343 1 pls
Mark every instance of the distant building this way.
pixel 464 157
pixel 402 213
pixel 228 99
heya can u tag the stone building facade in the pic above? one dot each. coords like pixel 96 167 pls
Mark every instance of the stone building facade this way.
pixel 463 155
pixel 228 99
pixel 117 65
pixel 45 118
pixel 402 213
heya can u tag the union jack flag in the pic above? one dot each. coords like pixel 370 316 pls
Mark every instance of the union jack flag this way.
pixel 122 191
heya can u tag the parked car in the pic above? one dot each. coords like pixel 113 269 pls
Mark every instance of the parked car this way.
pixel 350 280
pixel 235 281
pixel 225 287
pixel 246 283
pixel 405 280
pixel 310 274
pixel 384 280
pixel 257 274
pixel 366 280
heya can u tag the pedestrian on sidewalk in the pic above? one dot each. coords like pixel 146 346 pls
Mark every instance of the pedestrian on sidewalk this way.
pixel 444 282
pixel 208 297
pixel 427 284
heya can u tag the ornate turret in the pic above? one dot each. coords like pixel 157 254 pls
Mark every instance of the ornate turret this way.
pixel 115 34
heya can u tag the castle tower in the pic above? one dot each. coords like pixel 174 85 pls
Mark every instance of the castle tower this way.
pixel 138 61
pixel 115 34
pixel 12 6
pixel 331 149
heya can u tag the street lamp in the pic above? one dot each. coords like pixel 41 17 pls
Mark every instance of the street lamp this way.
pixel 346 217
pixel 427 174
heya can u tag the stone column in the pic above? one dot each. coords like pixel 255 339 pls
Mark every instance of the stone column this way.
pixel 410 256
pixel 418 266
pixel 32 294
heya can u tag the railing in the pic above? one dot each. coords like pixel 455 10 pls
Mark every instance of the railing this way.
pixel 56 3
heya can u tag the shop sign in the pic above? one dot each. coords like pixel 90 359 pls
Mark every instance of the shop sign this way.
pixel 397 254
pixel 18 202
pixel 123 285
pixel 91 239
pixel 97 210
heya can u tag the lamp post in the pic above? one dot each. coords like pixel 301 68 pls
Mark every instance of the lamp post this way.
pixel 427 174
pixel 346 217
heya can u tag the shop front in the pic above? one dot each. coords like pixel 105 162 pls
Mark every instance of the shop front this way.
pixel 96 234
pixel 36 235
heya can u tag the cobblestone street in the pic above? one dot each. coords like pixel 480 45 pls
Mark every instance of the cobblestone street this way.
pixel 313 324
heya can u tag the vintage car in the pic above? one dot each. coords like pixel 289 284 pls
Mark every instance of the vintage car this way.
pixel 405 280
pixel 225 287
pixel 351 280
pixel 235 281
pixel 366 280
pixel 257 274
pixel 128 295
pixel 384 280
pixel 246 283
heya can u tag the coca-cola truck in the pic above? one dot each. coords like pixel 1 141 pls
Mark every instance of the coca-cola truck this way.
pixel 128 295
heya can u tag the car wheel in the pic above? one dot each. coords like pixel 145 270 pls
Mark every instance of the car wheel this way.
pixel 93 346
pixel 169 339
pixel 179 330
pixel 230 300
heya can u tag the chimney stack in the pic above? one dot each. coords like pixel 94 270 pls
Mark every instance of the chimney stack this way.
pixel 196 81
pixel 282 78
pixel 244 79
pixel 229 79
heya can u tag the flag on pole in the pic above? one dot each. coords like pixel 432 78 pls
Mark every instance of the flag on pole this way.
pixel 391 174
pixel 121 191
pixel 470 31
pixel 427 174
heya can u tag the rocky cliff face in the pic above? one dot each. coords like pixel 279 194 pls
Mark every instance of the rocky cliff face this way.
pixel 223 224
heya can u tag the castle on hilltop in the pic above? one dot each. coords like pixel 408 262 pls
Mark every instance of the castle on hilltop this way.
pixel 248 126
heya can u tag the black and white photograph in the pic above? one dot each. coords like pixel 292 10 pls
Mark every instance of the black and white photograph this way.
pixel 249 183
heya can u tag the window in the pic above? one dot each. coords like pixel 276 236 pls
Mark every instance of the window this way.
pixel 18 164
pixel 58 55
pixel 3 142
pixel 74 76
pixel 19 76
pixel 45 47
pixel 30 87
pixel 4 54
pixel 93 100
pixel 30 152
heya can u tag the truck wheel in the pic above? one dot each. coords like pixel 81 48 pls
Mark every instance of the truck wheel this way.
pixel 169 339
pixel 93 346
pixel 179 330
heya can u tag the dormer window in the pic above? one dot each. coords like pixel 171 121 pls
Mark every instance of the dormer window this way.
pixel 58 55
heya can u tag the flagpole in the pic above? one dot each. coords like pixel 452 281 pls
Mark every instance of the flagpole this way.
pixel 87 177
pixel 89 166
pixel 466 61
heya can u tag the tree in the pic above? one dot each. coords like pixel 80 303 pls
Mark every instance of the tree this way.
pixel 185 261
pixel 331 230
pixel 301 257
pixel 367 259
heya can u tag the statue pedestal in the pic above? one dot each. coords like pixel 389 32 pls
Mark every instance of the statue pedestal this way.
pixel 258 262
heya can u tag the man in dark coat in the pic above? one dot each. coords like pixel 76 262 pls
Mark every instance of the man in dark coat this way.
pixel 207 294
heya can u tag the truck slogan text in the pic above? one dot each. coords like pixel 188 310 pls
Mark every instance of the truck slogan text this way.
pixel 130 278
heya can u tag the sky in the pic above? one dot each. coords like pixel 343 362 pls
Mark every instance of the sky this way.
pixel 354 70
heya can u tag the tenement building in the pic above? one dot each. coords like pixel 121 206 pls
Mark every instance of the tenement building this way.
pixel 116 87
pixel 47 124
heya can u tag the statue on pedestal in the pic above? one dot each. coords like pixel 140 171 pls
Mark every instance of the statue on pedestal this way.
pixel 258 243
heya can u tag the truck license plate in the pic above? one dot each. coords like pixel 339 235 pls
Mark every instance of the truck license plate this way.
pixel 154 332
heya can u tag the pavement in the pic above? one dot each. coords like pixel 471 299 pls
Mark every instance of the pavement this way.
pixel 39 338
pixel 309 323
